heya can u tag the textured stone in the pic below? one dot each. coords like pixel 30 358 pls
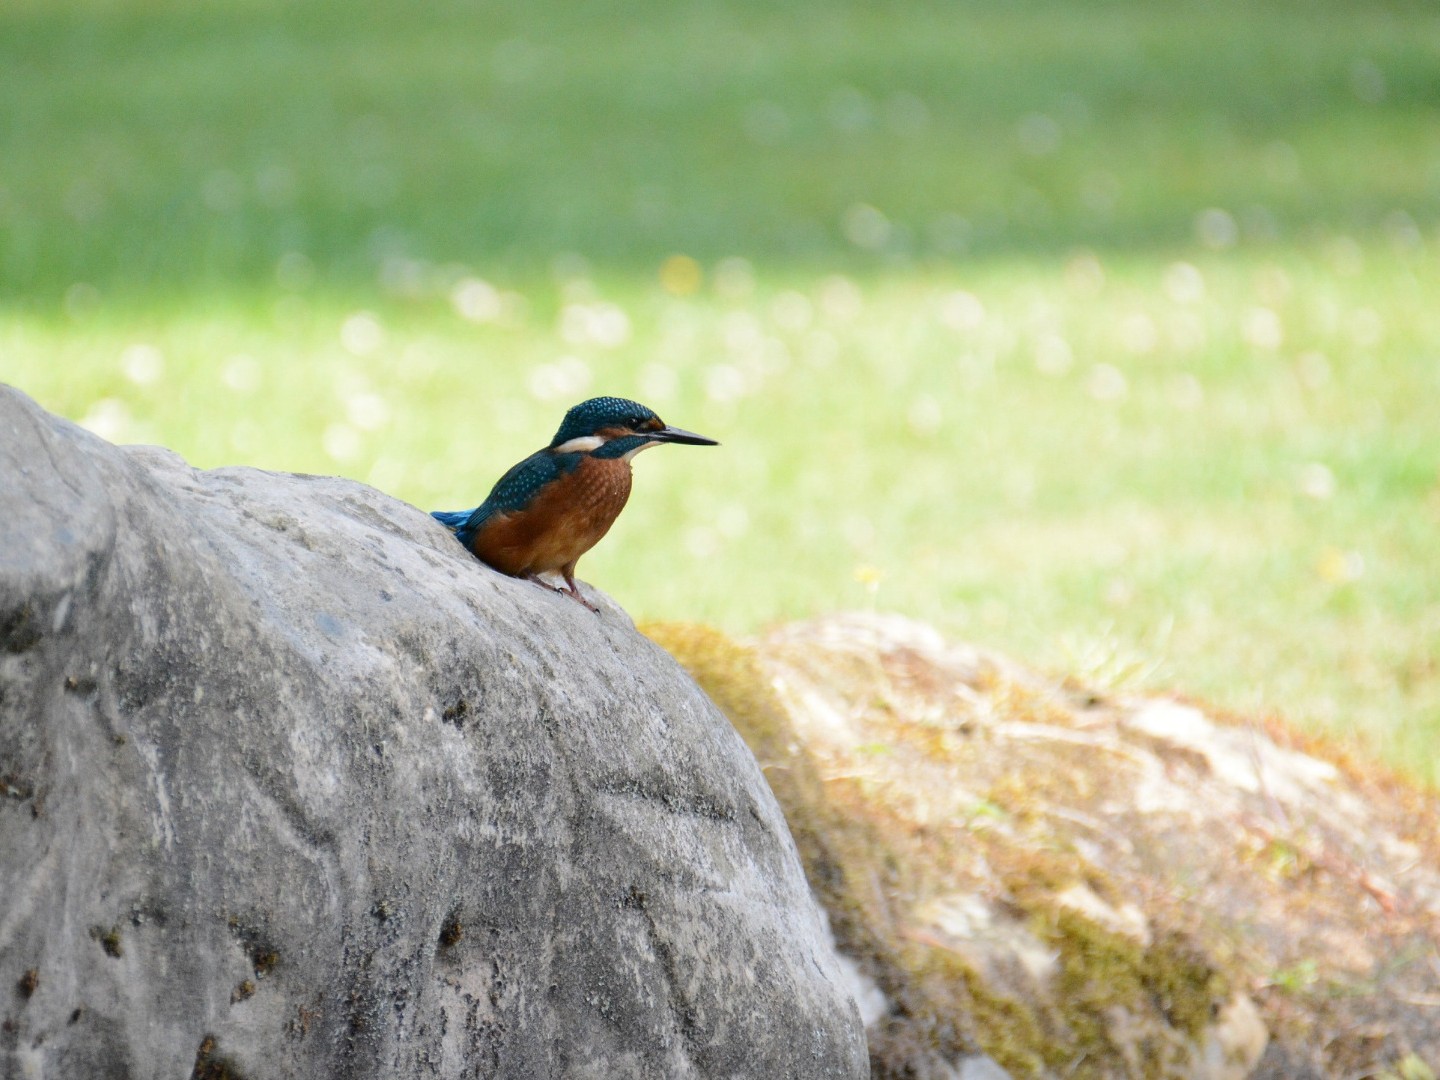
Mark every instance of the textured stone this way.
pixel 290 786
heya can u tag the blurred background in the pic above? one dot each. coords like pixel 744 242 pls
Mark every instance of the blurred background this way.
pixel 1102 332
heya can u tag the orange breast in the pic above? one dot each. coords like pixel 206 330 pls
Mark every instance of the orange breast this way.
pixel 564 521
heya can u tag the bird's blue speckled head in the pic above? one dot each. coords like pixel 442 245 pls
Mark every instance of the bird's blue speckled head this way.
pixel 612 427
pixel 597 414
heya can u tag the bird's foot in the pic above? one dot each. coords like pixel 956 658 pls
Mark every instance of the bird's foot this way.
pixel 574 593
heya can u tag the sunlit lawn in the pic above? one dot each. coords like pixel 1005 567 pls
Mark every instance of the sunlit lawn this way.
pixel 1104 335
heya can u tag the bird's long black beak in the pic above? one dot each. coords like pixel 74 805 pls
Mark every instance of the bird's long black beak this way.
pixel 680 435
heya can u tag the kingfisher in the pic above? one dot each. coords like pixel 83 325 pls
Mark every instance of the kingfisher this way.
pixel 554 506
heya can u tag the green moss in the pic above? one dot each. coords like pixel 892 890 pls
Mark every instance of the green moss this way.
pixel 1165 988
pixel 1009 1030
pixel 1189 988
pixel 1098 972
pixel 1168 985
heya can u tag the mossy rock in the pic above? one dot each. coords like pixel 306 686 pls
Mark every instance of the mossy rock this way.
pixel 875 867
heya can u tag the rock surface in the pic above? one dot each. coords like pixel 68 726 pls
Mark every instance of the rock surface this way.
pixel 290 786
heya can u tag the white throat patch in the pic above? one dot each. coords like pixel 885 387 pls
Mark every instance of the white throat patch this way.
pixel 582 444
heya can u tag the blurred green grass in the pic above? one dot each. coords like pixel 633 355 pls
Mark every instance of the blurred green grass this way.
pixel 1104 333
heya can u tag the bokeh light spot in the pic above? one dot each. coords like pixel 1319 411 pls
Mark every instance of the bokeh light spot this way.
pixel 1107 384
pixel 1184 283
pixel 341 443
pixel 1316 481
pixel 476 300
pixel 361 334
pixel 142 364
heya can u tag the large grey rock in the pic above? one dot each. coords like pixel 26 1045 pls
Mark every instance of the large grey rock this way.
pixel 293 787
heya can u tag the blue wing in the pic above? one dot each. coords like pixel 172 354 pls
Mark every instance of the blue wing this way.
pixel 512 492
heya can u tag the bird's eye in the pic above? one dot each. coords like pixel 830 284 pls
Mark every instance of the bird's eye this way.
pixel 634 422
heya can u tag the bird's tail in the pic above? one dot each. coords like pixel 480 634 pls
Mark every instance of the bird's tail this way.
pixel 465 523
pixel 452 519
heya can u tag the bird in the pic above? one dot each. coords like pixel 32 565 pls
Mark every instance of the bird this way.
pixel 555 505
